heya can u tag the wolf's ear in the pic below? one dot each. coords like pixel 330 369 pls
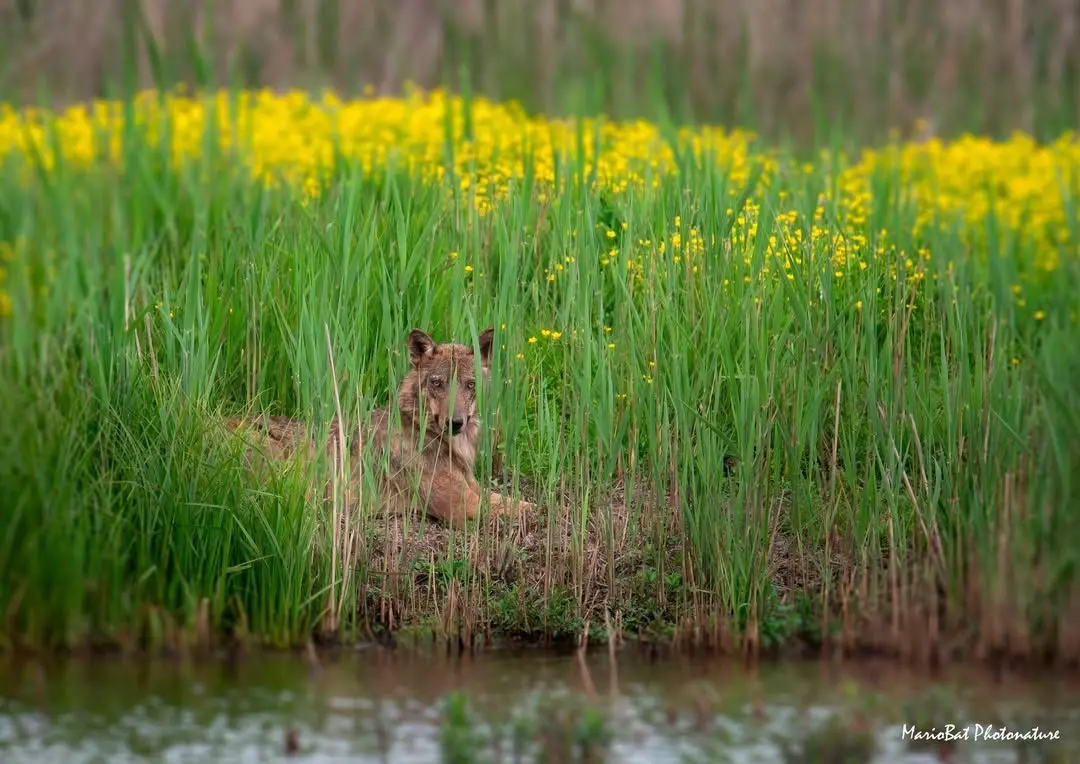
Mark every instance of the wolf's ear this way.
pixel 421 346
pixel 486 342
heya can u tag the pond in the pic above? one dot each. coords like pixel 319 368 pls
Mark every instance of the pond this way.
pixel 377 705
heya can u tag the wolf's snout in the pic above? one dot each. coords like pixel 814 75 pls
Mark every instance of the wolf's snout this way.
pixel 457 424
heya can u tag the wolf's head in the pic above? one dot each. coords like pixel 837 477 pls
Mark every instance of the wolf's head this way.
pixel 443 383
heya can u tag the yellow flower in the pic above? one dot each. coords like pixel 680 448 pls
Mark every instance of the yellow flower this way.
pixel 468 269
pixel 1040 315
pixel 532 340
pixel 296 140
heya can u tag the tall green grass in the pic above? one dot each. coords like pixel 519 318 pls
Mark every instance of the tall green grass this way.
pixel 906 448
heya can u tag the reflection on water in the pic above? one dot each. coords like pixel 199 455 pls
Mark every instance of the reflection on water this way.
pixel 372 705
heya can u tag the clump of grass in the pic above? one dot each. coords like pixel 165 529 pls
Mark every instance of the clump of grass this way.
pixel 559 730
pixel 835 742
pixel 926 713
pixel 737 437
pixel 459 740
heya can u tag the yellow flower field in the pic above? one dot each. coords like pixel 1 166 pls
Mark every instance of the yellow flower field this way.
pixel 299 139
pixel 295 138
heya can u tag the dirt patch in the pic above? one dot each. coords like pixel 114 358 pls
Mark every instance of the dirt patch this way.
pixel 537 578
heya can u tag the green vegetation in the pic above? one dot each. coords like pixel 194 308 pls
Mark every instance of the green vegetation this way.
pixel 759 403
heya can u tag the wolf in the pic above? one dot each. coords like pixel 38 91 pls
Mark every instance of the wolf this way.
pixel 430 450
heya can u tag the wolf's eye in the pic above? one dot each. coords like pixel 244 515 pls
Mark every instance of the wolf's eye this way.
pixel 435 382
pixel 470 384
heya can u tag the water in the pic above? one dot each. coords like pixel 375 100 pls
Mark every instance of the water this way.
pixel 373 705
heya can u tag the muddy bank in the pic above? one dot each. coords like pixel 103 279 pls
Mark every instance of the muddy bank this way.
pixel 534 581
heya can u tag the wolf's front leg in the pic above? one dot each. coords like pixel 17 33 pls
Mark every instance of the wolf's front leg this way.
pixel 455 500
pixel 450 498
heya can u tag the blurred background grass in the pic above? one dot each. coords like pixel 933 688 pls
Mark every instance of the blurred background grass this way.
pixel 804 72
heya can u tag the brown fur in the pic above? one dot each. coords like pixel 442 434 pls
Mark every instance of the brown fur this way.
pixel 433 450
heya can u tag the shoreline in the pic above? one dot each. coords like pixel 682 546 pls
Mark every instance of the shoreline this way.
pixel 997 669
